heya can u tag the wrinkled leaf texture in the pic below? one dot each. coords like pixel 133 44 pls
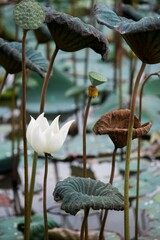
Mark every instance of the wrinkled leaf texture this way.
pixel 81 193
pixel 71 34
pixel 11 58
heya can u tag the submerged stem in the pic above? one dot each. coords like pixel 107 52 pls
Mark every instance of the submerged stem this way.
pixel 128 152
pixel 44 198
pixel 24 122
pixel 83 227
pixel 110 181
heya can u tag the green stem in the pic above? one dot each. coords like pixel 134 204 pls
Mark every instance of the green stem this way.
pixel 111 182
pixel 128 152
pixel 46 80
pixel 33 177
pixel 138 157
pixel 84 137
pixel 3 82
pixel 44 198
pixel 24 122
pixel 86 213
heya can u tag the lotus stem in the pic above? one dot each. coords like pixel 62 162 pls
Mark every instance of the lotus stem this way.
pixel 111 182
pixel 46 79
pixel 138 157
pixel 83 227
pixel 33 176
pixel 3 82
pixel 128 152
pixel 44 198
pixel 24 122
pixel 84 137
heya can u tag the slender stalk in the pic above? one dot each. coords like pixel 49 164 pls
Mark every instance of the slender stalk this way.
pixel 23 109
pixel 86 213
pixel 3 82
pixel 44 198
pixel 128 152
pixel 45 83
pixel 138 157
pixel 84 137
pixel 113 165
pixel 33 177
pixel 111 182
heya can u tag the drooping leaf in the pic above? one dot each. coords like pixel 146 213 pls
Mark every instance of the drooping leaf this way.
pixel 71 34
pixel 29 14
pixel 80 193
pixel 42 34
pixel 142 36
pixel 11 58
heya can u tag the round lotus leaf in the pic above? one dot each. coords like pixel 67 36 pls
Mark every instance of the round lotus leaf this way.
pixel 96 78
pixel 79 193
pixel 29 14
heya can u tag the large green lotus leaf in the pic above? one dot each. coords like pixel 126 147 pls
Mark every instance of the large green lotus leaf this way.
pixel 152 87
pixel 145 187
pixel 123 25
pixel 8 228
pixel 71 34
pixel 144 164
pixel 37 226
pixel 152 175
pixel 142 36
pixel 56 100
pixel 83 193
pixel 145 203
pixel 6 158
pixel 11 58
pixel 96 146
pixel 156 197
pixel 153 213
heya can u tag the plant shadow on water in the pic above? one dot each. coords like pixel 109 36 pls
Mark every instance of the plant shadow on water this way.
pixel 88 77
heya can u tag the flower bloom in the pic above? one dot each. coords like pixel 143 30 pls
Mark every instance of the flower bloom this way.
pixel 115 124
pixel 45 138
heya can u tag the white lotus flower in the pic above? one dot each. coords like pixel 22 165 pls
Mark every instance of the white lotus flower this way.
pixel 45 138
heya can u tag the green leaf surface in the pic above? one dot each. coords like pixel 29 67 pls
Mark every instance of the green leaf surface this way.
pixel 71 34
pixel 80 193
pixel 11 58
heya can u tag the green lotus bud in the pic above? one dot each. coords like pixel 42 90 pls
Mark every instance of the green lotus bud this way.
pixel 29 14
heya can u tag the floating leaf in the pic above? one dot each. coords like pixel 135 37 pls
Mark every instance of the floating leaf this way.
pixel 142 36
pixel 37 226
pixel 71 34
pixel 29 14
pixel 11 58
pixel 80 193
pixel 144 165
pixel 96 78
